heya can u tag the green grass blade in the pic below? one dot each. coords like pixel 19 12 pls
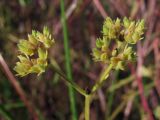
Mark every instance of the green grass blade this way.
pixel 111 95
pixel 5 114
pixel 68 62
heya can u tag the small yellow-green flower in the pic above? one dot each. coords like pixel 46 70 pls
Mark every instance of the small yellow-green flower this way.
pixel 34 53
pixel 115 47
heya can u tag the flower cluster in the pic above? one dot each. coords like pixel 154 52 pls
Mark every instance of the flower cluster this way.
pixel 115 47
pixel 34 53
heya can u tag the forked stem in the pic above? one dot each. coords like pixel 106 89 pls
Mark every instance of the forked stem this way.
pixel 88 97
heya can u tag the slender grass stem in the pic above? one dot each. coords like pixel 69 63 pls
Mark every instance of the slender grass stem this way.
pixel 111 96
pixel 87 107
pixel 5 114
pixel 68 62
pixel 102 78
pixel 66 80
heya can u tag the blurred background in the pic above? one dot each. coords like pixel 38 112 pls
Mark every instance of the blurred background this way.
pixel 133 94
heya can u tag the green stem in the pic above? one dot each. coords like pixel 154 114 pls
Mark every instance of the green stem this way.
pixel 87 107
pixel 102 78
pixel 68 62
pixel 121 83
pixel 99 83
pixel 111 96
pixel 69 82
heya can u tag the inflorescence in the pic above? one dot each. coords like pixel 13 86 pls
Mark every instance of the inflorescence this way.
pixel 115 47
pixel 34 53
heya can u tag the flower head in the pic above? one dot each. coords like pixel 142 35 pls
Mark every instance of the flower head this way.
pixel 115 47
pixel 34 53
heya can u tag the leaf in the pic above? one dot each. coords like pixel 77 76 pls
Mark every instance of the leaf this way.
pixel 42 53
pixel 25 47
pixel 96 54
pixel 99 43
pixel 46 31
pixel 103 57
pixel 39 69
pixel 5 114
pixel 32 40
pixel 24 59
pixel 22 69
pixel 126 22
